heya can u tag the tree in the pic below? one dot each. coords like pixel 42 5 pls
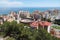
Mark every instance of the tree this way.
pixel 57 21
pixel 10 38
pixel 18 32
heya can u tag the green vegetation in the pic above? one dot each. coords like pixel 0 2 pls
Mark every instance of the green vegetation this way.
pixel 10 38
pixel 44 19
pixel 56 27
pixel 57 21
pixel 19 32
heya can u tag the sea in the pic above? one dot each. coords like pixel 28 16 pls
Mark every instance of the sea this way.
pixel 7 10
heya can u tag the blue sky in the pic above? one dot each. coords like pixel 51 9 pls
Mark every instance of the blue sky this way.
pixel 29 3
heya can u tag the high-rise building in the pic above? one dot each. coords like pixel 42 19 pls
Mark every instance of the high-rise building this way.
pixel 24 14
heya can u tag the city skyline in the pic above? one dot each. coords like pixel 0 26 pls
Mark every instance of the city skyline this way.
pixel 29 3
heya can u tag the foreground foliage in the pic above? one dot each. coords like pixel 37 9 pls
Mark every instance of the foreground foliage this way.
pixel 23 32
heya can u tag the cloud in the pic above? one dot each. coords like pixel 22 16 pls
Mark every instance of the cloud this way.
pixel 4 0
pixel 6 3
pixel 26 3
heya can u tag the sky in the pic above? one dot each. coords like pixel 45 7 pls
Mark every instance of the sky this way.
pixel 29 3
